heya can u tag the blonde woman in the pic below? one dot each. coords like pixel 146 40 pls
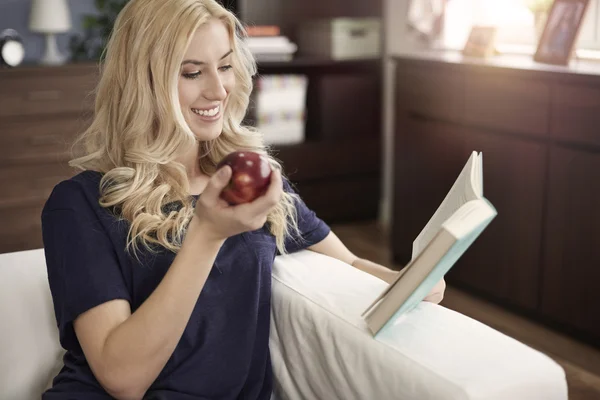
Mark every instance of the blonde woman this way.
pixel 162 291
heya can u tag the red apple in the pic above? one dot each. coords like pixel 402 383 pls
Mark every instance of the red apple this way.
pixel 250 178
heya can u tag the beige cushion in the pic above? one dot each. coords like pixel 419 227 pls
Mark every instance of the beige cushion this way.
pixel 29 348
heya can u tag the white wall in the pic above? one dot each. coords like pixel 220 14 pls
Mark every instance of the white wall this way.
pixel 396 39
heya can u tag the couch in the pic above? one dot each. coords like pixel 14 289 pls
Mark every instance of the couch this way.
pixel 320 346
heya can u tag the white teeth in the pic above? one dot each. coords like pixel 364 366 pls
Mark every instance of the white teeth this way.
pixel 207 113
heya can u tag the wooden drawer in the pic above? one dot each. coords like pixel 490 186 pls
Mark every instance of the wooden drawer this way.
pixel 30 183
pixel 575 114
pixel 431 92
pixel 21 228
pixel 38 141
pixel 46 91
pixel 508 103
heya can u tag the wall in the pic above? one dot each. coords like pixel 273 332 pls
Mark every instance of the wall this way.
pixel 15 14
pixel 396 39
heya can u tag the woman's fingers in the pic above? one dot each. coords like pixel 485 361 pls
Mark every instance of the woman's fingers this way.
pixel 216 184
pixel 263 204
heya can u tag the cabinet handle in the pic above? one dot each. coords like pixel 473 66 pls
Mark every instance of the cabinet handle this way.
pixel 358 32
pixel 44 95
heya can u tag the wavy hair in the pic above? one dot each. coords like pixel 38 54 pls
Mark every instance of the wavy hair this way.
pixel 138 128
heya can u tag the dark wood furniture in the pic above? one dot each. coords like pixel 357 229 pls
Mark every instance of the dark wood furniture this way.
pixel 537 127
pixel 42 109
pixel 337 169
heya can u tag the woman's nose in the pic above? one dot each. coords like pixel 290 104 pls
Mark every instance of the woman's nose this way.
pixel 215 89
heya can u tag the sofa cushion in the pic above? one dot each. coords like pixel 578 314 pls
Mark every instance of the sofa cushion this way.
pixel 321 347
pixel 29 344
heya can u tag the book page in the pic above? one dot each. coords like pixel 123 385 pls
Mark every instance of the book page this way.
pixel 472 214
pixel 467 187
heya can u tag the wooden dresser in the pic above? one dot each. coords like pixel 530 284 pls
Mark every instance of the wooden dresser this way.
pixel 538 129
pixel 336 170
pixel 41 111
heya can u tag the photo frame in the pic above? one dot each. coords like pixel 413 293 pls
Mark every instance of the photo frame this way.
pixel 556 45
pixel 481 42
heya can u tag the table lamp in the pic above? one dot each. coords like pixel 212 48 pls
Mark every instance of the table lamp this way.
pixel 50 17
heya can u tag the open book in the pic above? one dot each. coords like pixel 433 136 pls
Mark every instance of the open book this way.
pixel 458 221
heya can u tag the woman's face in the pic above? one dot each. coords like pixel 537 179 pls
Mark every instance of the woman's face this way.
pixel 206 79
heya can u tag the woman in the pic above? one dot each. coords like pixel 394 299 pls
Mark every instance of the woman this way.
pixel 161 293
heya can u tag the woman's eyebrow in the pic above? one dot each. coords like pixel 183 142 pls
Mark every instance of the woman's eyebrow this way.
pixel 196 62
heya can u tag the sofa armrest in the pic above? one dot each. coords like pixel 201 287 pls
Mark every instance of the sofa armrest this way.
pixel 322 349
pixel 30 353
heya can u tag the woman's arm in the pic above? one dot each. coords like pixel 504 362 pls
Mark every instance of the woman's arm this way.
pixel 332 246
pixel 127 351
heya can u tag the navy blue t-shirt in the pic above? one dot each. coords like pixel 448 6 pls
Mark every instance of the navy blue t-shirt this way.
pixel 223 353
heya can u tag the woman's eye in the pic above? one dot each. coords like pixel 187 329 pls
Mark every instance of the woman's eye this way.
pixel 191 75
pixel 226 68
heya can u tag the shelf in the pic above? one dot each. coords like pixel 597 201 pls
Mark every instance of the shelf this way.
pixel 319 65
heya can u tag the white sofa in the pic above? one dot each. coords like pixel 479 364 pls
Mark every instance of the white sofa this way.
pixel 320 347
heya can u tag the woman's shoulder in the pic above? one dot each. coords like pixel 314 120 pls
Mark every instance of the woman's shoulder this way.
pixel 81 190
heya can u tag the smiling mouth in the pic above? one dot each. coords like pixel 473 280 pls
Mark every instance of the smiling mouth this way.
pixel 213 112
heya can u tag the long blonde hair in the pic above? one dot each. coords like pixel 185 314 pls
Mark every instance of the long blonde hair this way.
pixel 139 129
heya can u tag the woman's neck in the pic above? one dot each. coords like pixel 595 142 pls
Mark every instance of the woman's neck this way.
pixel 196 178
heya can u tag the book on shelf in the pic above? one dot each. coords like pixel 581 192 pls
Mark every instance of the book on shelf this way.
pixel 263 30
pixel 267 44
pixel 459 220
pixel 278 108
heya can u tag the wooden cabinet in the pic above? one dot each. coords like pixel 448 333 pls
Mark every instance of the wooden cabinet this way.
pixel 575 116
pixel 42 109
pixel 538 134
pixel 572 250
pixel 505 259
pixel 433 156
pixel 428 160
pixel 490 102
pixel 337 169
pixel 433 95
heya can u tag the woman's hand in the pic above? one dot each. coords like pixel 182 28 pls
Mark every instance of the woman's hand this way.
pixel 219 220
pixel 437 293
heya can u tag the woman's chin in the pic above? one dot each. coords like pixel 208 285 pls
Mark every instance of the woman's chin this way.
pixel 205 134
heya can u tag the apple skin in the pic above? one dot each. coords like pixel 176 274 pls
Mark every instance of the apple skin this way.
pixel 250 177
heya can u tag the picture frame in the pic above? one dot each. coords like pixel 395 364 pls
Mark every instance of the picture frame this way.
pixel 481 42
pixel 556 44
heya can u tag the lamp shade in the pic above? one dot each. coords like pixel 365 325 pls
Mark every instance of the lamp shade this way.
pixel 49 16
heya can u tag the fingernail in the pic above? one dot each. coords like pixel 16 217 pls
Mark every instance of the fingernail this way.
pixel 221 173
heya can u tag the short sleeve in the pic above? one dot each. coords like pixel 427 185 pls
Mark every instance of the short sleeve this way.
pixel 83 267
pixel 311 227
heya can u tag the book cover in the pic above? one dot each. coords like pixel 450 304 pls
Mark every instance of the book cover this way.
pixel 457 223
